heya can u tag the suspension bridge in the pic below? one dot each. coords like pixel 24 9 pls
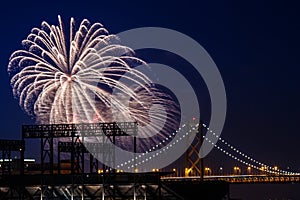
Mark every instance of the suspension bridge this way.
pixel 84 177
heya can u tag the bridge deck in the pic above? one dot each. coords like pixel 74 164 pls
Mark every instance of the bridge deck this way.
pixel 241 178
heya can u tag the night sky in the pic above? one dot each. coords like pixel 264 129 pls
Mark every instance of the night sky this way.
pixel 255 45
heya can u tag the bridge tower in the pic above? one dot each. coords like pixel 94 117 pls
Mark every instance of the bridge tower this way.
pixel 194 164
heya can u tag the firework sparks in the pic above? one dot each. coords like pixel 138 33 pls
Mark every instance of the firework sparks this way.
pixel 69 79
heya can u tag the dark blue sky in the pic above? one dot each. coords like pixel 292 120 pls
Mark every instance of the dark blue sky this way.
pixel 255 46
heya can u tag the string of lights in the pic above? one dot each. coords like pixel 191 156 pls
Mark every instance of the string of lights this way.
pixel 142 158
pixel 145 157
pixel 263 167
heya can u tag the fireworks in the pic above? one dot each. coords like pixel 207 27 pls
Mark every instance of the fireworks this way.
pixel 74 76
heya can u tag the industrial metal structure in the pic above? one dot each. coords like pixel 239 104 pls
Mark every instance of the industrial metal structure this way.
pixel 57 178
pixel 7 147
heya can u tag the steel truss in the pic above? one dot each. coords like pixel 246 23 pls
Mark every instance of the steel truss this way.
pixel 77 134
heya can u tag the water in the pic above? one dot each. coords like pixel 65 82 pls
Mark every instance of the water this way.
pixel 265 191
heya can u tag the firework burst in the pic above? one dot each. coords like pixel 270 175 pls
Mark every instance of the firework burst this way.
pixel 69 79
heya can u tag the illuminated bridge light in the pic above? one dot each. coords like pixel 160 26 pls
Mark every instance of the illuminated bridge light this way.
pixel 251 165
pixel 269 169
